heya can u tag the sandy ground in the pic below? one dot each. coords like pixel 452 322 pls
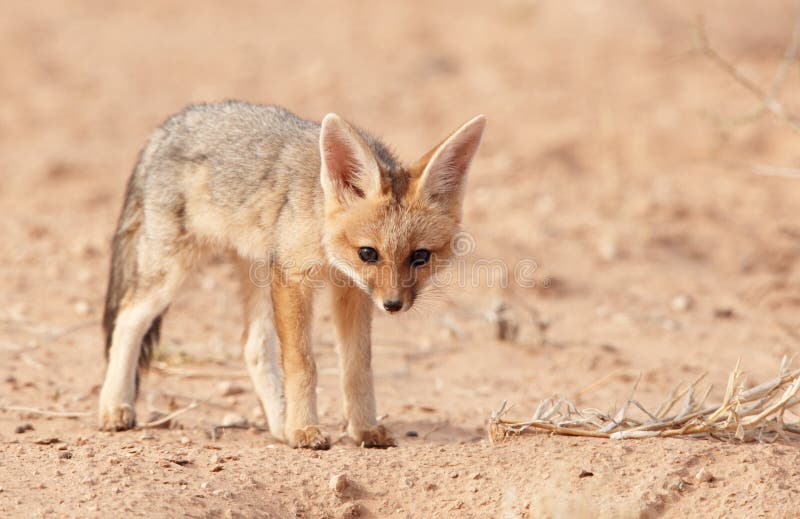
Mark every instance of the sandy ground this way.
pixel 616 158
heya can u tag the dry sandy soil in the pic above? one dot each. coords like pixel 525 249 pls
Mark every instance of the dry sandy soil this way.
pixel 616 158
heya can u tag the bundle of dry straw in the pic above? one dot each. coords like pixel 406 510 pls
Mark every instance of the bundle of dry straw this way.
pixel 755 414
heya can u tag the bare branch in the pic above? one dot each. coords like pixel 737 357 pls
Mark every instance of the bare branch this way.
pixel 768 99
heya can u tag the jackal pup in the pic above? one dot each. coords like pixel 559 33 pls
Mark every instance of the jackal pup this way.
pixel 322 203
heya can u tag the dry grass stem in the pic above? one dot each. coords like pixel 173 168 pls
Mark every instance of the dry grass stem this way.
pixel 755 414
pixel 168 418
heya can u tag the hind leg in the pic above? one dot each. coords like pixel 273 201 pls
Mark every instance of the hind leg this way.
pixel 144 302
pixel 260 348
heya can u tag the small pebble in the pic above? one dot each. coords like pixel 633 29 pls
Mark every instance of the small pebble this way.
pixel 704 476
pixel 412 434
pixel 82 308
pixel 351 510
pixel 724 312
pixel 23 428
pixel 585 474
pixel 338 483
pixel 65 455
pixel 608 249
pixel 682 303
pixel 234 420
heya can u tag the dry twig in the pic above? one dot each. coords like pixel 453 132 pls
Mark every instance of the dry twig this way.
pixel 755 414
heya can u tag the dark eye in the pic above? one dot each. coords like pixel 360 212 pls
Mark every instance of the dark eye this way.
pixel 420 257
pixel 368 254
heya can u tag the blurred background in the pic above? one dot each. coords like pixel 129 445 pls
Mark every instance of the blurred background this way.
pixel 618 156
pixel 653 191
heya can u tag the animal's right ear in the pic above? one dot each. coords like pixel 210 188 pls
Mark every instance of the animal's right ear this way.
pixel 349 170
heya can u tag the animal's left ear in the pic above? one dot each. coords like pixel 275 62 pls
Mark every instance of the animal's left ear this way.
pixel 444 169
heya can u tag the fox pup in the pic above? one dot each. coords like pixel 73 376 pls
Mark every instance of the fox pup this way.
pixel 322 203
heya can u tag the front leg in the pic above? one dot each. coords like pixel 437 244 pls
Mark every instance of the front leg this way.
pixel 291 301
pixel 352 316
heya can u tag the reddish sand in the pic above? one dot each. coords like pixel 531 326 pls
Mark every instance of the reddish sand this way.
pixel 616 158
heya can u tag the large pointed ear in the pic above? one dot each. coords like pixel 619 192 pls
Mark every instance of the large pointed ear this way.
pixel 349 170
pixel 445 167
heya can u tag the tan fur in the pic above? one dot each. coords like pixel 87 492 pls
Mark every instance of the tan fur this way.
pixel 302 199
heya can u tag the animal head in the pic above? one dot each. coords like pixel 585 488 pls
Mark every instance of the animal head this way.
pixel 388 226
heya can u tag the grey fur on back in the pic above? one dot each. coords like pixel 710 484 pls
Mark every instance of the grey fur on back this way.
pixel 249 154
pixel 242 143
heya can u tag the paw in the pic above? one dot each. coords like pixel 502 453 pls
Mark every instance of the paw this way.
pixel 375 437
pixel 116 417
pixel 310 437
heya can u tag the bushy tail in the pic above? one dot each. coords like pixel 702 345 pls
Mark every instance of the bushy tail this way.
pixel 123 273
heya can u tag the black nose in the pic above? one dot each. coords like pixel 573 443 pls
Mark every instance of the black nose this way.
pixel 392 306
